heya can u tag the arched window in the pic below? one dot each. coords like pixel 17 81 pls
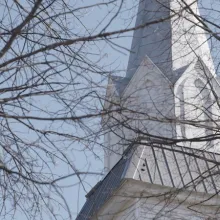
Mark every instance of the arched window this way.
pixel 180 111
pixel 196 109
pixel 204 111
pixel 145 98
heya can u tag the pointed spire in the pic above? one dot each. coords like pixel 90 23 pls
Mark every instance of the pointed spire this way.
pixel 172 44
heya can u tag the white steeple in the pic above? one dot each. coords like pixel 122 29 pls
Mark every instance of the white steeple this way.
pixel 171 44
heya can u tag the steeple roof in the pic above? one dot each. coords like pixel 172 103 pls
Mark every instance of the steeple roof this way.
pixel 171 44
pixel 154 40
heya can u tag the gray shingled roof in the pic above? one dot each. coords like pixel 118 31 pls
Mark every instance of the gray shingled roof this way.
pixel 104 189
pixel 168 165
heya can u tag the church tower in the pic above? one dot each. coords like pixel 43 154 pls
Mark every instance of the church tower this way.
pixel 158 159
pixel 170 74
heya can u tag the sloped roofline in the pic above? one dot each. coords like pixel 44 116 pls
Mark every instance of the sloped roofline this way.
pixel 146 61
